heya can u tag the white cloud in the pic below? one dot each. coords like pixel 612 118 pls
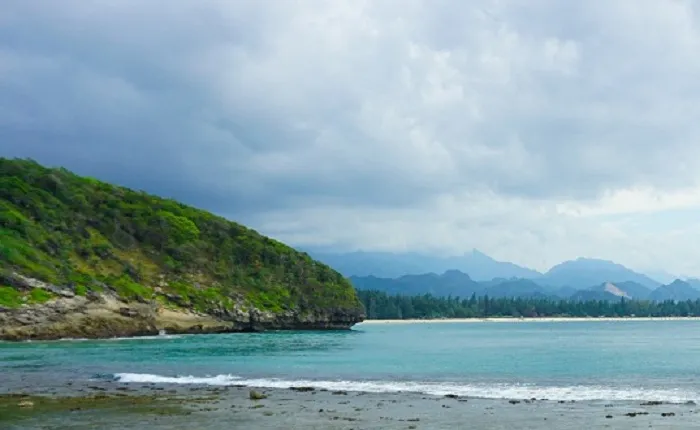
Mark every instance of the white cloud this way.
pixel 634 201
pixel 534 131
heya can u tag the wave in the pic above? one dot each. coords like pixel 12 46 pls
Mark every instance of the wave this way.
pixel 484 391
pixel 82 339
pixel 153 337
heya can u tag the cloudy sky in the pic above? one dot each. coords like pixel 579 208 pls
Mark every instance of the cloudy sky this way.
pixel 533 130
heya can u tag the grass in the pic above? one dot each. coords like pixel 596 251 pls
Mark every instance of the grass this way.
pixel 10 298
pixel 38 296
pixel 131 290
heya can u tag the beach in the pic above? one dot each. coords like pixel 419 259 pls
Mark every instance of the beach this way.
pixel 114 405
pixel 521 320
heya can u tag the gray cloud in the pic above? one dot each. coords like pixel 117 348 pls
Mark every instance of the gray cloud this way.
pixel 335 122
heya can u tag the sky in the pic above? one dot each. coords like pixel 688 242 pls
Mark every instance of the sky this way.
pixel 533 130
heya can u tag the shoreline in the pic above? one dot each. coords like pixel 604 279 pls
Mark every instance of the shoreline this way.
pixel 106 315
pixel 522 320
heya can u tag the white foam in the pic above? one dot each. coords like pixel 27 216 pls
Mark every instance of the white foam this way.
pixel 154 337
pixel 486 391
pixel 83 339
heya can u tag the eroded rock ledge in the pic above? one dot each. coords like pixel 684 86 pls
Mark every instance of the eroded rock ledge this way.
pixel 105 315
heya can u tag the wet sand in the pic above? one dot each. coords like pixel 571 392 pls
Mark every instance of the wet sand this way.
pixel 114 405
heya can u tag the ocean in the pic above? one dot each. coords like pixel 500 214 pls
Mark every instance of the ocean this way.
pixel 579 360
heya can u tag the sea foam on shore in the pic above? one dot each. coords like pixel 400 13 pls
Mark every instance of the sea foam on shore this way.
pixel 483 391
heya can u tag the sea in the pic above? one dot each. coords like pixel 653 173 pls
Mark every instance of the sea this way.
pixel 572 360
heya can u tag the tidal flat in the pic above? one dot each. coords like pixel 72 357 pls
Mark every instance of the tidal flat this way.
pixel 115 405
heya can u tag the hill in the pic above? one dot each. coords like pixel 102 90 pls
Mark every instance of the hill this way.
pixel 584 272
pixel 456 284
pixel 677 290
pixel 693 282
pixel 523 288
pixel 83 258
pixel 610 291
pixel 451 283
pixel 478 265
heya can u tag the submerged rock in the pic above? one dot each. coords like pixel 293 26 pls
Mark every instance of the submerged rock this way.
pixel 302 389
pixel 254 395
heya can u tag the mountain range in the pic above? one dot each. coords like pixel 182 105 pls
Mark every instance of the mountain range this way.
pixel 392 265
pixel 584 272
pixel 579 273
pixel 458 284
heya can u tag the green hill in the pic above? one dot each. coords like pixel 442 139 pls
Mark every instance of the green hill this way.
pixel 86 238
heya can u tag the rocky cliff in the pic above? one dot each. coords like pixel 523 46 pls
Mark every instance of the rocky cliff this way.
pixel 104 315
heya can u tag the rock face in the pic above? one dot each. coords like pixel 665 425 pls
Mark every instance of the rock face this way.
pixel 105 315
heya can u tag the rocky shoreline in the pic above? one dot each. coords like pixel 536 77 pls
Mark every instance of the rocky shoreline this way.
pixel 115 405
pixel 106 315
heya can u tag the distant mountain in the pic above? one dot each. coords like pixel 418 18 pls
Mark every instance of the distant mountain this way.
pixel 379 264
pixel 456 284
pixel 661 275
pixel 451 283
pixel 677 290
pixel 481 267
pixel 478 265
pixel 612 291
pixel 519 288
pixel 584 272
pixel 574 275
pixel 694 282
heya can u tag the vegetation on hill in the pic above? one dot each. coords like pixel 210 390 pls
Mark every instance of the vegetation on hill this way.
pixel 380 305
pixel 79 232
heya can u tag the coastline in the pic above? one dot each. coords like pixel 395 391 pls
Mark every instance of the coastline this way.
pixel 524 320
pixel 106 315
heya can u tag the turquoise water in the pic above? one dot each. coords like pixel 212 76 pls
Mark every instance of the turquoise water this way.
pixel 636 360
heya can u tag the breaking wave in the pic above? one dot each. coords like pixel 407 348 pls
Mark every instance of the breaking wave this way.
pixel 486 391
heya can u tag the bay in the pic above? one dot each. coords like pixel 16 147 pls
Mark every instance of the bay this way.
pixel 575 360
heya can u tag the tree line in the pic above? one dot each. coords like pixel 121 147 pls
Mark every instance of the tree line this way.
pixel 379 305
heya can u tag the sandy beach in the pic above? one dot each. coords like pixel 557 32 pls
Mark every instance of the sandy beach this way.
pixel 525 320
pixel 113 405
